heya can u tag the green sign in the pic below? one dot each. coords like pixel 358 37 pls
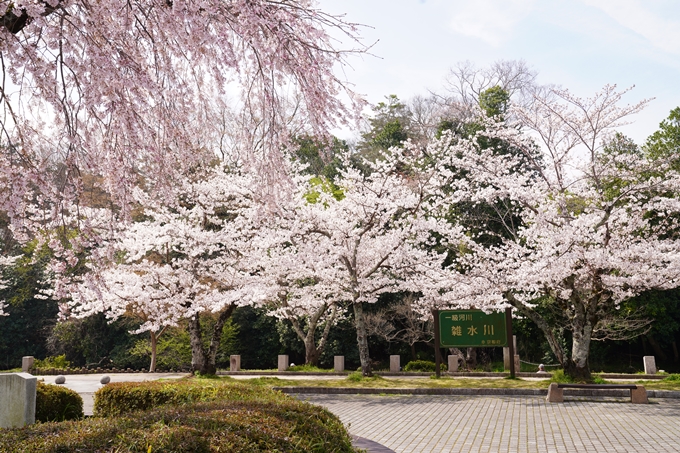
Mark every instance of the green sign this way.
pixel 471 329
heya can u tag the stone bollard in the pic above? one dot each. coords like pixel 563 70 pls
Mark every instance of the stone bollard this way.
pixel 453 363
pixel 234 363
pixel 283 362
pixel 27 363
pixel 650 364
pixel 339 363
pixel 395 365
pixel 506 354
pixel 517 364
pixel 17 393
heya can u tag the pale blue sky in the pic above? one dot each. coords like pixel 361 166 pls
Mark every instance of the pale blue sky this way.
pixel 578 44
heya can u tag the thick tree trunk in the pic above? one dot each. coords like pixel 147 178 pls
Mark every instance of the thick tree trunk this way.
pixel 312 351
pixel 202 358
pixel 362 339
pixel 582 329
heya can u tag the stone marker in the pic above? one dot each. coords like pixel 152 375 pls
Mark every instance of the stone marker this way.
pixel 234 363
pixel 283 362
pixel 517 364
pixel 650 364
pixel 27 363
pixel 339 363
pixel 17 394
pixel 395 365
pixel 105 380
pixel 453 363
pixel 60 379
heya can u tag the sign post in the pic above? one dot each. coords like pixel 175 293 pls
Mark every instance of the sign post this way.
pixel 437 345
pixel 473 329
pixel 511 344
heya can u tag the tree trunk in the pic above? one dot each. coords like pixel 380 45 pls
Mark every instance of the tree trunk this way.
pixel 362 339
pixel 414 356
pixel 471 359
pixel 312 351
pixel 202 358
pixel 154 343
pixel 577 366
pixel 676 358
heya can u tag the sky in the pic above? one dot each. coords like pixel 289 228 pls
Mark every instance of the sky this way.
pixel 580 45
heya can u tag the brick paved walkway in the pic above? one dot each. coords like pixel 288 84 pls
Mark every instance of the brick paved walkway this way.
pixel 507 424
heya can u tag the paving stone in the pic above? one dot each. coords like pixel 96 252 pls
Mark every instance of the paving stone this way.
pixel 515 424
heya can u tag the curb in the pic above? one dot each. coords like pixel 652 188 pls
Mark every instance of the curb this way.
pixel 465 392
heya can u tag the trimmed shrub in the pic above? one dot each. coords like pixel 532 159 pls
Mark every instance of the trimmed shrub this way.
pixel 423 365
pixel 241 420
pixel 124 397
pixel 56 404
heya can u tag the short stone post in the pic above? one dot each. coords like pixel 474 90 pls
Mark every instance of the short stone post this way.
pixel 650 364
pixel 395 363
pixel 339 363
pixel 283 362
pixel 27 363
pixel 555 394
pixel 453 363
pixel 234 363
pixel 506 354
pixel 17 393
pixel 517 364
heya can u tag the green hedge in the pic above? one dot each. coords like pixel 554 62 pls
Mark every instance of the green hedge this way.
pixel 423 365
pixel 124 397
pixel 240 418
pixel 54 403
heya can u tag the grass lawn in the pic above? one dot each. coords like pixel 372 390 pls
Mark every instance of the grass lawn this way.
pixel 354 381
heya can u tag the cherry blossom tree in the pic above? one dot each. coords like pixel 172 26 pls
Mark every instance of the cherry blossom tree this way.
pixel 188 257
pixel 303 279
pixel 375 227
pixel 593 222
pixel 129 93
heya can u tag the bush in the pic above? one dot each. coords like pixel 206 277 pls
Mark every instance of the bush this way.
pixel 56 404
pixel 234 417
pixel 423 365
pixel 308 368
pixel 284 426
pixel 123 397
pixel 59 362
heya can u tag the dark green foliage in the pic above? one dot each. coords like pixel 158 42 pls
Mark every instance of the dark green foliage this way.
pixel 258 338
pixel 323 157
pixel 423 365
pixel 233 418
pixel 342 340
pixel 30 319
pixel 173 350
pixel 389 127
pixel 56 404
pixel 95 342
pixel 494 101
pixel 665 143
